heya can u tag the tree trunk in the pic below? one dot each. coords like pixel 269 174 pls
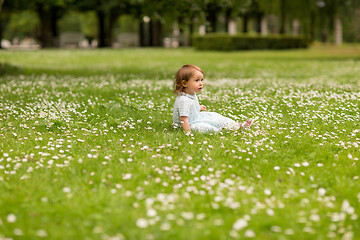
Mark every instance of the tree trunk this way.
pixel 1 3
pixel 109 33
pixel 1 30
pixel 227 19
pixel 46 24
pixel 324 36
pixel 146 32
pixel 180 25
pixel 54 27
pixel 232 27
pixel 141 33
pixel 178 33
pixel 142 41
pixel 101 29
pixel 202 30
pixel 337 30
pixel 312 25
pixel 263 26
pixel 150 33
pixel 211 17
pixel 295 27
pixel 282 16
pixel 259 18
pixel 160 33
pixel 155 33
pixel 191 26
pixel 245 23
pixel 191 30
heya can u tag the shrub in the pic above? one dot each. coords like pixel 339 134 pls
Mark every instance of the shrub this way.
pixel 225 42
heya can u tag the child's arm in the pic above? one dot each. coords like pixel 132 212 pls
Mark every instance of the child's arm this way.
pixel 202 108
pixel 185 123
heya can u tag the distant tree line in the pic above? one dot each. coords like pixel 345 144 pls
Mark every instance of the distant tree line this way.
pixel 307 16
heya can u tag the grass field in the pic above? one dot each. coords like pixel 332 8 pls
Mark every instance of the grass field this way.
pixel 87 149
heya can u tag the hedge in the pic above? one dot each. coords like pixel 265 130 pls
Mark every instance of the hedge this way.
pixel 225 42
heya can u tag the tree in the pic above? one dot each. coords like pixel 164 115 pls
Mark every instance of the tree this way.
pixel 187 13
pixel 234 8
pixel 212 10
pixel 309 17
pixel 1 4
pixel 255 10
pixel 107 13
pixel 6 8
pixel 48 15
pixel 152 15
pixel 334 11
pixel 298 13
pixel 351 22
pixel 49 12
pixel 334 8
pixel 21 24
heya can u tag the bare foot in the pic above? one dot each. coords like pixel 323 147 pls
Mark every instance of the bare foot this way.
pixel 247 123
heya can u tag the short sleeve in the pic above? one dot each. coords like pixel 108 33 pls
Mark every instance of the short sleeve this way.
pixel 184 107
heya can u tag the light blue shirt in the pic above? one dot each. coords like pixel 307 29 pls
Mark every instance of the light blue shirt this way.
pixel 188 106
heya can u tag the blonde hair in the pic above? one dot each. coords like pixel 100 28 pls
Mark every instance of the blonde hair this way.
pixel 184 74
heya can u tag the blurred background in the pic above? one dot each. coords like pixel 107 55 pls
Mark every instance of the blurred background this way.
pixel 31 24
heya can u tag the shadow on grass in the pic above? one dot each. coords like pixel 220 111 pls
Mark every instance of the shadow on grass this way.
pixel 8 69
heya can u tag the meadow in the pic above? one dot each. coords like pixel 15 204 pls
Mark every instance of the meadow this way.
pixel 88 150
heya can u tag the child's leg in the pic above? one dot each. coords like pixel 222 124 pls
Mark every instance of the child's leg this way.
pixel 204 127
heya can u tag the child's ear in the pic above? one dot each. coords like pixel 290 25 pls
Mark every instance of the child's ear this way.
pixel 183 83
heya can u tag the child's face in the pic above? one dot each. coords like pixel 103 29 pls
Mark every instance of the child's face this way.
pixel 195 83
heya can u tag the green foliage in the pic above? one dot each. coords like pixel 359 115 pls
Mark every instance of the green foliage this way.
pixel 351 26
pixel 21 24
pixel 128 23
pixel 70 22
pixel 225 42
pixel 87 22
pixel 315 17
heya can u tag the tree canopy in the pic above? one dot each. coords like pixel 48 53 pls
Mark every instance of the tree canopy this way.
pixel 318 19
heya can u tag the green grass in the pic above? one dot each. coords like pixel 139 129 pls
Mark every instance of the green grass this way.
pixel 87 149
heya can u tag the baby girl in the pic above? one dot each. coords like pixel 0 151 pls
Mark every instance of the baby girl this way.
pixel 189 81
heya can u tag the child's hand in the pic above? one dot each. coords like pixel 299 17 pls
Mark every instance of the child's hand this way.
pixel 202 108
